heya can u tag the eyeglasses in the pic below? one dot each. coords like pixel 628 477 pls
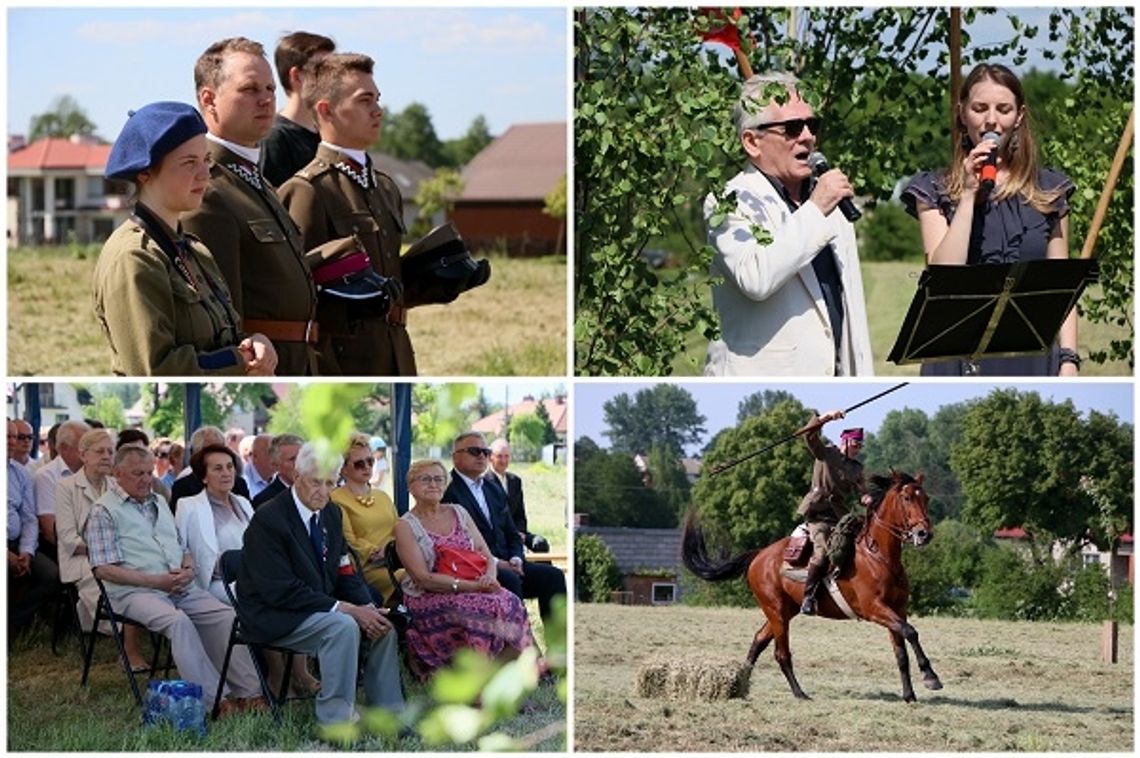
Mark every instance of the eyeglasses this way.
pixel 24 437
pixel 164 454
pixel 793 126
pixel 362 465
pixel 475 451
pixel 431 479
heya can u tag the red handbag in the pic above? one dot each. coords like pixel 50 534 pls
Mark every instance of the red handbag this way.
pixel 460 563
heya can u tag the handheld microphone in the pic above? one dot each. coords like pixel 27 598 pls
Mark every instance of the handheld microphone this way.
pixel 819 166
pixel 989 169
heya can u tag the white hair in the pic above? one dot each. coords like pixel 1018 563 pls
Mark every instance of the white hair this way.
pixel 754 107
pixel 309 463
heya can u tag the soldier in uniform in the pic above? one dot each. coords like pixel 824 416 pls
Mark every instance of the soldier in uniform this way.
pixel 835 476
pixel 254 241
pixel 339 195
pixel 161 300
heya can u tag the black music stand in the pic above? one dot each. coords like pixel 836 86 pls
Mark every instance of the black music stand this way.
pixel 990 310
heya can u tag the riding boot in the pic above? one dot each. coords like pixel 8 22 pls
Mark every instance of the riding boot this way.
pixel 815 572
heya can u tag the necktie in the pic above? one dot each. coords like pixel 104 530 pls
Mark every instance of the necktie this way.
pixel 317 538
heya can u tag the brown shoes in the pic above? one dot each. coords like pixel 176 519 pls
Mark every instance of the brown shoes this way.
pixel 231 706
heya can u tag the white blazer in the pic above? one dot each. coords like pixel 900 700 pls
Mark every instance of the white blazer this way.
pixel 773 317
pixel 195 522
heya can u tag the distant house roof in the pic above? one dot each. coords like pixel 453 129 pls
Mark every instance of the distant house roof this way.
pixel 640 548
pixel 556 408
pixel 57 154
pixel 525 163
pixel 406 174
pixel 1011 533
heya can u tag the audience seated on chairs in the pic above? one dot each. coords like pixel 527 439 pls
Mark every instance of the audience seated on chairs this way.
pixel 283 456
pixel 369 515
pixel 259 470
pixel 134 549
pixel 22 449
pixel 214 521
pixel 450 613
pixel 32 577
pixel 65 464
pixel 487 507
pixel 74 497
pixel 138 437
pixel 516 503
pixel 297 588
pixel 185 484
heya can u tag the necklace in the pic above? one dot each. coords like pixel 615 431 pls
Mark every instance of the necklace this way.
pixel 366 500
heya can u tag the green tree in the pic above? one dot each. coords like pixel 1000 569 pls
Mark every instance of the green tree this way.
pixel 669 481
pixel 584 449
pixel 890 234
pixel 434 196
pixel 665 414
pixel 109 410
pixel 410 135
pixel 459 152
pixel 525 434
pixel 442 411
pixel 549 436
pixel 64 118
pixel 951 562
pixel 759 403
pixel 596 568
pixel 218 401
pixel 609 488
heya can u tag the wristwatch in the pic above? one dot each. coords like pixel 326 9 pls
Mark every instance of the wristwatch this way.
pixel 1069 355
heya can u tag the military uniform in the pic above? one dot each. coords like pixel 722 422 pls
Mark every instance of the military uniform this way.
pixel 834 478
pixel 331 198
pixel 163 318
pixel 258 249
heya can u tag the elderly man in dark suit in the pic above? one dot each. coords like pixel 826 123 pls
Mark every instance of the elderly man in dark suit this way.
pixel 512 484
pixel 298 588
pixel 255 243
pixel 486 501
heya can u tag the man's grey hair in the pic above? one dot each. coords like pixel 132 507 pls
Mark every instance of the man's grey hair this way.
pixel 70 432
pixel 465 435
pixel 309 463
pixel 280 441
pixel 205 435
pixel 130 451
pixel 499 444
pixel 754 108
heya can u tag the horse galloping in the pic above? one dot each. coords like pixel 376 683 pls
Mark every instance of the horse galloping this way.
pixel 874 584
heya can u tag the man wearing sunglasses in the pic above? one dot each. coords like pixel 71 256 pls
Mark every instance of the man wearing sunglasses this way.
pixel 791 296
pixel 486 502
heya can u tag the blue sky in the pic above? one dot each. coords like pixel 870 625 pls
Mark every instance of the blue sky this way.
pixel 508 64
pixel 718 401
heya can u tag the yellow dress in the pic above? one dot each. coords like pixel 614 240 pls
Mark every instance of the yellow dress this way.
pixel 367 527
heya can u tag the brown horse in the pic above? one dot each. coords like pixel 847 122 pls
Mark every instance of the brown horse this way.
pixel 874 585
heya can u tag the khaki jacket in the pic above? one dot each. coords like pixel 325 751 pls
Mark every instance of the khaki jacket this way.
pixel 156 323
pixel 834 478
pixel 258 249
pixel 328 203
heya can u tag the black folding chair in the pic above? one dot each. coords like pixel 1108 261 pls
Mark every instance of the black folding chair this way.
pixel 231 566
pixel 116 620
pixel 66 617
pixel 392 562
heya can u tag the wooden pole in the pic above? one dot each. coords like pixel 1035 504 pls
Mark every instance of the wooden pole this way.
pixel 1109 185
pixel 955 63
pixel 1109 642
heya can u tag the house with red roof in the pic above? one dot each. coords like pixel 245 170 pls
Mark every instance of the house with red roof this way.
pixel 57 193
pixel 505 189
pixel 1121 567
pixel 496 424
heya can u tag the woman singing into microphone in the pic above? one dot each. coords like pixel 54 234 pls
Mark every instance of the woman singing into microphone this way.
pixel 1023 217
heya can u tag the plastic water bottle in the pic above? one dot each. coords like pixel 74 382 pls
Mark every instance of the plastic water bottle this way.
pixel 177 702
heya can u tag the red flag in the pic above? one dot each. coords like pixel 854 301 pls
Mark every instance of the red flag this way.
pixel 724 32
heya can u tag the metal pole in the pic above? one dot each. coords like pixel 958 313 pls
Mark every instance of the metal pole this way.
pixel 955 63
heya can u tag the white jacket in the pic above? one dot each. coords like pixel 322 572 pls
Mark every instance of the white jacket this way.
pixel 195 521
pixel 772 313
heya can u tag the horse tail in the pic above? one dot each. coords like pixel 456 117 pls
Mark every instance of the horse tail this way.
pixel 695 555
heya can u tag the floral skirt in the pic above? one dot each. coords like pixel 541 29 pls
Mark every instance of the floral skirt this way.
pixel 443 624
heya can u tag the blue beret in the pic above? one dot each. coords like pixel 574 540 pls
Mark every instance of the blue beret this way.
pixel 150 133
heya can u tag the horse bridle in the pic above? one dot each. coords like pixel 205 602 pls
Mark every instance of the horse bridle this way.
pixel 904 534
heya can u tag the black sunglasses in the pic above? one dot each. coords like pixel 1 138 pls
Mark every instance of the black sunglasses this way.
pixel 24 437
pixel 362 464
pixel 793 126
pixel 477 451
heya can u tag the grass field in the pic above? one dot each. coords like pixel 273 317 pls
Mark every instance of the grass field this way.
pixel 888 288
pixel 1008 686
pixel 52 331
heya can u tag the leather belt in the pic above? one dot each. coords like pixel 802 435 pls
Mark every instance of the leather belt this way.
pixel 284 331
pixel 397 316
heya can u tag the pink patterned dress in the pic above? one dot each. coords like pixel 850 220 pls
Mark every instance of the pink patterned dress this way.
pixel 444 623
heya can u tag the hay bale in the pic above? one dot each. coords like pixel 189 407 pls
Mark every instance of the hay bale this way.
pixel 695 679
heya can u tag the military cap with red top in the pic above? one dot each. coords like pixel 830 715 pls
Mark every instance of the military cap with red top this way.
pixel 855 434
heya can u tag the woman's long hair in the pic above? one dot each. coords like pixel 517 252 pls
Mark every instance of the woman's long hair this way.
pixel 1019 152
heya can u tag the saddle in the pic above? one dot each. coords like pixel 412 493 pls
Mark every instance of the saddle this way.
pixel 794 567
pixel 799 547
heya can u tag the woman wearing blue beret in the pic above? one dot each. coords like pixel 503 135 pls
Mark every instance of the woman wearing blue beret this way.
pixel 159 296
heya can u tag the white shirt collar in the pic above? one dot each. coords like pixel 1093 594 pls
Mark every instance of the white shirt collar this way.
pixel 303 511
pixel 360 156
pixel 251 154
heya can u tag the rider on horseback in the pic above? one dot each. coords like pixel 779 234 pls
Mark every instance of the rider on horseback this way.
pixel 835 475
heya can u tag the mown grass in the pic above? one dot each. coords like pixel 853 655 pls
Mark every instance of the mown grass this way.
pixel 514 325
pixel 1009 686
pixel 888 287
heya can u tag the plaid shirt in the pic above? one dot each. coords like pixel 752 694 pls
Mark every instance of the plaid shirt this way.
pixel 101 536
pixel 22 524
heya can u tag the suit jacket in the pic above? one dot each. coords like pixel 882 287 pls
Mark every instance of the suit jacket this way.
pixel 258 248
pixel 281 582
pixel 328 202
pixel 501 535
pixel 772 313
pixel 275 488
pixel 515 501
pixel 194 519
pixel 189 485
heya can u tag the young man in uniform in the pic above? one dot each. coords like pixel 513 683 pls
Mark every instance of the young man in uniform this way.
pixel 340 195
pixel 255 243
